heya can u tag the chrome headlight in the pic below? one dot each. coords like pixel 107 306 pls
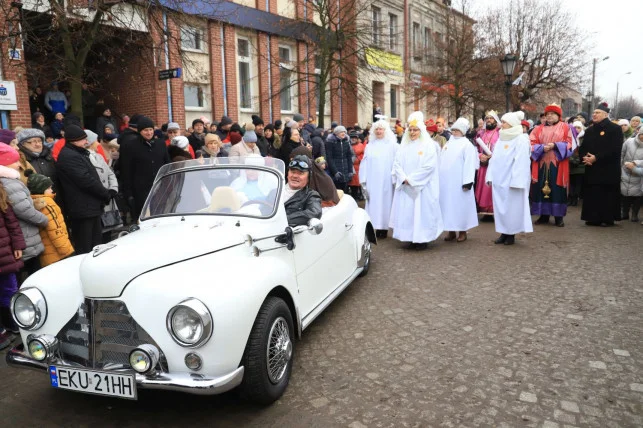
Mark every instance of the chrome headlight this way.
pixel 190 323
pixel 144 358
pixel 42 347
pixel 29 308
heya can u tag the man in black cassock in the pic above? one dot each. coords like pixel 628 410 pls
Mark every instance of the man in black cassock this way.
pixel 601 154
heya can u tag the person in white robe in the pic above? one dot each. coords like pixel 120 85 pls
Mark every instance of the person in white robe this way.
pixel 509 174
pixel 415 216
pixel 375 175
pixel 457 172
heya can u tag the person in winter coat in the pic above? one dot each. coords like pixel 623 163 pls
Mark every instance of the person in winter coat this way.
pixel 576 167
pixel 274 140
pixel 291 140
pixel 223 130
pixel 56 101
pixel 84 195
pixel 54 237
pixel 140 161
pixel 8 137
pixel 30 219
pixel 105 119
pixel 38 122
pixel 246 147
pixel 197 138
pixel 107 178
pixel 358 151
pixel 301 202
pixel 340 158
pixel 317 141
pixel 12 244
pixel 31 144
pixel 213 147
pixel 56 126
pixel 262 143
pixel 631 184
pixel 318 180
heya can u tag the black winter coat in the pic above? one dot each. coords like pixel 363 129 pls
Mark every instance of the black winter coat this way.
pixel 317 141
pixel 43 163
pixel 140 161
pixel 303 206
pixel 11 239
pixel 339 157
pixel 83 193
pixel 195 142
pixel 604 140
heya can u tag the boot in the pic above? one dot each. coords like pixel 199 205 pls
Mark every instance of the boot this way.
pixel 511 239
pixel 559 222
pixel 543 219
pixel 636 207
pixel 501 239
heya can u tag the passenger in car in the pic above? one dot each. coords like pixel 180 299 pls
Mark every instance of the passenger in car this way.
pixel 319 181
pixel 302 203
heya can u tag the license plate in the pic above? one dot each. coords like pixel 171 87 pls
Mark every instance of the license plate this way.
pixel 94 382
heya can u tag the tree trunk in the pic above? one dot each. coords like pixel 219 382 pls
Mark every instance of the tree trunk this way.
pixel 77 95
pixel 321 107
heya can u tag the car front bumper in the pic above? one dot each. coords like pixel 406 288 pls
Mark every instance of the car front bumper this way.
pixel 184 382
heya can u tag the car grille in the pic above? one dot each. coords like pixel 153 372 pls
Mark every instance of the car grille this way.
pixel 101 335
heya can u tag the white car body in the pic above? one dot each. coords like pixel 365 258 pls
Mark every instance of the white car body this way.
pixel 219 260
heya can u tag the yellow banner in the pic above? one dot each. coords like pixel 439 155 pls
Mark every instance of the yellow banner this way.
pixel 384 60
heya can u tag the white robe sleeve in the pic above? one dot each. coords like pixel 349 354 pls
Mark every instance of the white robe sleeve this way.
pixel 398 173
pixel 363 167
pixel 428 165
pixel 469 166
pixel 520 169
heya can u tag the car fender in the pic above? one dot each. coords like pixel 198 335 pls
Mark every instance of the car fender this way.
pixel 60 285
pixel 361 223
pixel 233 285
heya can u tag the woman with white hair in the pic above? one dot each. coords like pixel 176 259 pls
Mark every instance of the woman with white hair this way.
pixel 509 175
pixel 458 164
pixel 374 175
pixel 416 216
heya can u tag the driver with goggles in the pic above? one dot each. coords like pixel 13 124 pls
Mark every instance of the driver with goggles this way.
pixel 302 203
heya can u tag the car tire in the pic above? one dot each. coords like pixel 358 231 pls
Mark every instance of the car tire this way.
pixel 272 335
pixel 367 263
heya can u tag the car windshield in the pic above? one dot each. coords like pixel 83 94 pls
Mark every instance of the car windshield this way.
pixel 216 186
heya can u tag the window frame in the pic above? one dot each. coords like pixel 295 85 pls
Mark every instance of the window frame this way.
pixel 291 69
pixel 194 31
pixel 247 60
pixel 394 107
pixel 376 26
pixel 415 29
pixel 392 32
pixel 203 96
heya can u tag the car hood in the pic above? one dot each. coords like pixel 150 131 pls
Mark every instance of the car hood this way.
pixel 110 267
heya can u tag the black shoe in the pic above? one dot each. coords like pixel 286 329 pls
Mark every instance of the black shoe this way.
pixel 592 223
pixel 543 219
pixel 422 246
pixel 501 239
pixel 559 221
pixel 511 239
pixel 608 224
pixel 487 218
pixel 411 246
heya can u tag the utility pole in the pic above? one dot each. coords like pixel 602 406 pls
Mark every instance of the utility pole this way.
pixel 616 99
pixel 591 101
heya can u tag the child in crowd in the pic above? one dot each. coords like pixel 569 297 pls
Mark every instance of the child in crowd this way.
pixel 12 242
pixel 321 161
pixel 54 236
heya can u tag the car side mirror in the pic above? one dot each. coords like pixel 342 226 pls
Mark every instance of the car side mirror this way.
pixel 315 226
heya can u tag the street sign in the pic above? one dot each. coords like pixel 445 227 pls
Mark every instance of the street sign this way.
pixel 8 100
pixel 172 73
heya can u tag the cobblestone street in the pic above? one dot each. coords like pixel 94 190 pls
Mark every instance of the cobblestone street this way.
pixel 547 333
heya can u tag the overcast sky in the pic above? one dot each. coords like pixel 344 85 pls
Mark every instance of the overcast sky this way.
pixel 616 29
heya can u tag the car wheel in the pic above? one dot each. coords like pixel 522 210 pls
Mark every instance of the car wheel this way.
pixel 268 356
pixel 366 254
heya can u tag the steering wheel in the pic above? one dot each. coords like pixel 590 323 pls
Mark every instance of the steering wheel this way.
pixel 259 202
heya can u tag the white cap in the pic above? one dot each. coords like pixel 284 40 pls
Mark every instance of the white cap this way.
pixel 461 125
pixel 180 141
pixel 91 136
pixel 623 122
pixel 513 118
pixel 173 125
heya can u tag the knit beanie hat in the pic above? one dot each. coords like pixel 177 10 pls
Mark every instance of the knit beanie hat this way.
pixel 278 124
pixel 144 122
pixel 211 137
pixel 8 155
pixel 74 133
pixel 180 141
pixel 554 108
pixel 71 119
pixel 250 136
pixel 461 125
pixel 133 121
pixel 623 122
pixel 298 117
pixel 29 133
pixel 91 136
pixel 338 129
pixel 256 120
pixel 37 183
pixel 292 124
pixel 6 136
pixel 195 121
pixel 235 137
pixel 172 126
pixel 225 120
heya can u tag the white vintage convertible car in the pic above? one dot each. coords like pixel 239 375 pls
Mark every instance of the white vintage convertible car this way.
pixel 207 293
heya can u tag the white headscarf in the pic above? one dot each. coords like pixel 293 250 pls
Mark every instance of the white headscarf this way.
pixel 389 136
pixel 461 125
pixel 416 119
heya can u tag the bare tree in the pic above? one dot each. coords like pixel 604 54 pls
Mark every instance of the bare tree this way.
pixel 340 36
pixel 546 41
pixel 628 107
pixel 76 41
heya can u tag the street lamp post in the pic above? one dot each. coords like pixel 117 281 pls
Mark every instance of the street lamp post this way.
pixel 591 102
pixel 508 65
pixel 616 99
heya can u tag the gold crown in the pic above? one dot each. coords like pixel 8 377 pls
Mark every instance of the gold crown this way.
pixel 414 122
pixel 491 113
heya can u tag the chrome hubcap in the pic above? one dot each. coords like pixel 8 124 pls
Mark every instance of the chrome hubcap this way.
pixel 366 250
pixel 279 351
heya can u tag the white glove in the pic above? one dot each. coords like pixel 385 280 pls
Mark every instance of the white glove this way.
pixel 365 192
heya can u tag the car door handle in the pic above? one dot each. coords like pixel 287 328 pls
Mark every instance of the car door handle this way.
pixel 348 226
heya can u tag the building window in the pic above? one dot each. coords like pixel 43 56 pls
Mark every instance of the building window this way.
pixel 285 78
pixel 376 26
pixel 416 39
pixel 194 95
pixel 427 40
pixel 395 91
pixel 192 38
pixel 243 57
pixel 392 32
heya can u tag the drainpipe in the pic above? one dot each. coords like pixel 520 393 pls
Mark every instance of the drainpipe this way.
pixel 339 89
pixel 225 92
pixel 167 66
pixel 269 70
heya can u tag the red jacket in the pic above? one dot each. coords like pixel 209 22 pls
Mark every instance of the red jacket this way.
pixel 11 239
pixel 358 149
pixel 58 146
